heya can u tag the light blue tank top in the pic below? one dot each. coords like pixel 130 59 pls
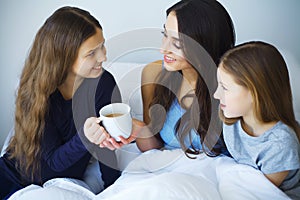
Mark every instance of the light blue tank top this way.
pixel 168 133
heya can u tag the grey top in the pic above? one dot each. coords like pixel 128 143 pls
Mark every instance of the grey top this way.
pixel 274 151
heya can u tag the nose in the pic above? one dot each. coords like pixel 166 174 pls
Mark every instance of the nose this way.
pixel 165 46
pixel 216 94
pixel 101 55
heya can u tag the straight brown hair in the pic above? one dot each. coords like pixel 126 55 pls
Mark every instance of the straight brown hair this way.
pixel 259 67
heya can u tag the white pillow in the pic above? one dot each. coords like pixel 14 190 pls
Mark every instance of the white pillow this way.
pixel 154 160
pixel 59 188
pixel 167 186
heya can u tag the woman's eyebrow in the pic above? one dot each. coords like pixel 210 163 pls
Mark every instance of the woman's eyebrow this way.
pixel 174 38
pixel 222 83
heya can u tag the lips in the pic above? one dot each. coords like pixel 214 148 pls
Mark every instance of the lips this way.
pixel 222 106
pixel 168 59
pixel 99 67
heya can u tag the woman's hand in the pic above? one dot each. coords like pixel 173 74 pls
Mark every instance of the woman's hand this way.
pixel 94 132
pixel 112 144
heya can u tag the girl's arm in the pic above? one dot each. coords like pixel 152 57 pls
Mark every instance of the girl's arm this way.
pixel 61 151
pixel 147 140
pixel 60 155
pixel 277 178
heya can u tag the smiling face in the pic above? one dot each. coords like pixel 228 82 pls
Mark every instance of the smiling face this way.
pixel 171 46
pixel 91 55
pixel 235 100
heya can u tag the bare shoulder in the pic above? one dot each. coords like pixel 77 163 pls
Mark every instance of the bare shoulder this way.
pixel 151 71
pixel 149 74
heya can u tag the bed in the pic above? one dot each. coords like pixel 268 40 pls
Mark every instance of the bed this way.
pixel 156 174
pixel 169 174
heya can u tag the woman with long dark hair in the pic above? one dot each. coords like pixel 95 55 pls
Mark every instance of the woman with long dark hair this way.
pixel 177 101
pixel 175 85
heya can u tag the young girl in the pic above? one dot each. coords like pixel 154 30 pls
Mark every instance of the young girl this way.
pixel 260 129
pixel 65 62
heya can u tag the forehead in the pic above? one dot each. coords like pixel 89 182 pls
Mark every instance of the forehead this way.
pixel 224 76
pixel 171 22
pixel 92 42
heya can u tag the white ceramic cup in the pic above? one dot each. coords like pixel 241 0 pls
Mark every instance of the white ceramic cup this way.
pixel 116 119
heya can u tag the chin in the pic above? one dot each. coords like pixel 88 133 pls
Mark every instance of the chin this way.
pixel 95 74
pixel 230 115
pixel 169 68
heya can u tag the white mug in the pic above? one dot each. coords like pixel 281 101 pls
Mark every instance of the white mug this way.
pixel 116 119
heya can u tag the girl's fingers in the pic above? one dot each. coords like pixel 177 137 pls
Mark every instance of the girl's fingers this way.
pixel 88 123
pixel 116 144
pixel 108 145
pixel 94 127
pixel 100 136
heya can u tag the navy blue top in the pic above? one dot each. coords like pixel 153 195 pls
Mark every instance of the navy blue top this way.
pixel 64 149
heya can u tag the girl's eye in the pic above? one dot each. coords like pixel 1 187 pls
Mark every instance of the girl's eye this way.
pixel 164 33
pixel 91 54
pixel 224 88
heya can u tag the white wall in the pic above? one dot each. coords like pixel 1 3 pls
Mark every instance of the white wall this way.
pixel 20 20
pixel 273 21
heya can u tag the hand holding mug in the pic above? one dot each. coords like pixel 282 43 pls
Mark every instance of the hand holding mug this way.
pixel 117 120
pixel 119 128
pixel 137 127
pixel 94 132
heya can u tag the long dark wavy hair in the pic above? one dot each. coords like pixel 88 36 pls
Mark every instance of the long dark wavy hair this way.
pixel 207 23
pixel 53 53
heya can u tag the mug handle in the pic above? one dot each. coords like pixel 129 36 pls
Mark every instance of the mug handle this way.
pixel 100 119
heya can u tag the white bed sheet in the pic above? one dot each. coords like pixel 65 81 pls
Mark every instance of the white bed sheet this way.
pixel 169 174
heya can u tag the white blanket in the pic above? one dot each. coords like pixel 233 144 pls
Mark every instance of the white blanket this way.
pixel 58 189
pixel 170 174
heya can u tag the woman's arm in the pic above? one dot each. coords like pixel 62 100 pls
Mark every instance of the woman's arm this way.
pixel 147 140
pixel 149 75
pixel 277 178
